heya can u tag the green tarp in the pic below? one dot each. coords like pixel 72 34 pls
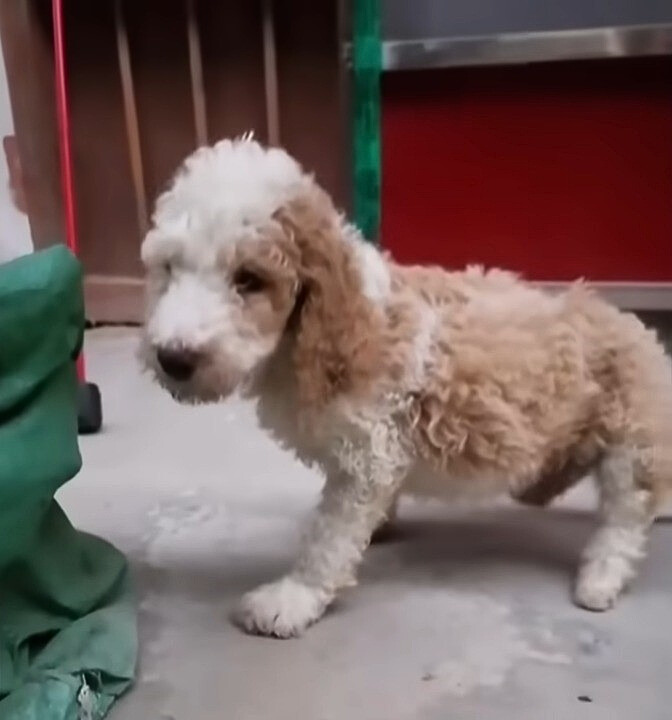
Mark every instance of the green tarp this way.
pixel 68 640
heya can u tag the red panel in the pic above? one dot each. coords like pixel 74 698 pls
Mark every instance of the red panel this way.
pixel 558 170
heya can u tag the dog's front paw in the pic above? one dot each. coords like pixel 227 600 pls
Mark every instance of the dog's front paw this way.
pixel 281 609
pixel 598 585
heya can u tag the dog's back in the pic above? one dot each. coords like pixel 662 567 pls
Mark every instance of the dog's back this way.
pixel 534 386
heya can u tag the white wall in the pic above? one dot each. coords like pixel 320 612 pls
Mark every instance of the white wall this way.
pixel 14 228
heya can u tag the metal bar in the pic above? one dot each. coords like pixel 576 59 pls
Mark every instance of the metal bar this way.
pixel 196 72
pixel 627 295
pixel 65 145
pixel 65 137
pixel 528 47
pixel 131 117
pixel 270 73
pixel 366 117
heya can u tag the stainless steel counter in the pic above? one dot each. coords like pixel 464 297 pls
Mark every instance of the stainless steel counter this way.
pixel 510 48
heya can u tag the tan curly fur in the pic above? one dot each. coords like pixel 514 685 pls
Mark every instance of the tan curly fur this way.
pixel 516 390
pixel 536 388
pixel 338 345
pixel 529 386
pixel 394 379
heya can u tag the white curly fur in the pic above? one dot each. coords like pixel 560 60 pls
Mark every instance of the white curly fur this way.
pixel 393 379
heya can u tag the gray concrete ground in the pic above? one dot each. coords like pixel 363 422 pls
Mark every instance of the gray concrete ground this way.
pixel 463 616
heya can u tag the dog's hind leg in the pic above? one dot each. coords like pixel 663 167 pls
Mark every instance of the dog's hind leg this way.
pixel 627 510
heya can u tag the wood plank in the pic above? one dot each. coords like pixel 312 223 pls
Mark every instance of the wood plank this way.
pixel 106 211
pixel 270 73
pixel 131 116
pixel 233 65
pixel 196 72
pixel 159 47
pixel 113 299
pixel 312 109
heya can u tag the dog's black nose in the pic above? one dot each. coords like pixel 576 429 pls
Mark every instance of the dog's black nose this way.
pixel 178 364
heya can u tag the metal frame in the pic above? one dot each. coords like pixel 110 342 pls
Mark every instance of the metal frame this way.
pixel 547 46
pixel 527 47
pixel 626 295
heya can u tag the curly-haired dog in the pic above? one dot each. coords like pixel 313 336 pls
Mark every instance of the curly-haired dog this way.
pixel 396 379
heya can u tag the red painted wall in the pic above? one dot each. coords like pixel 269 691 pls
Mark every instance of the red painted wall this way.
pixel 557 170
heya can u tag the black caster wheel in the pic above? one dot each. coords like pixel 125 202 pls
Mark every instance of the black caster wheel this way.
pixel 89 409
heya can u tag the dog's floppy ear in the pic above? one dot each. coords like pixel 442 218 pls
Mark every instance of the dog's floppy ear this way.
pixel 338 332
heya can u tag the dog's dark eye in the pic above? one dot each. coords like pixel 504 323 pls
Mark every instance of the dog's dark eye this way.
pixel 247 282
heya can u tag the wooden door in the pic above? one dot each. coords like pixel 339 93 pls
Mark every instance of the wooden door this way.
pixel 150 80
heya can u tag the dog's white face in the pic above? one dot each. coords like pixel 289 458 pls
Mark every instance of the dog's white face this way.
pixel 221 274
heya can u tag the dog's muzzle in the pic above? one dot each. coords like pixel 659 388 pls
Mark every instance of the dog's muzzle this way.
pixel 177 363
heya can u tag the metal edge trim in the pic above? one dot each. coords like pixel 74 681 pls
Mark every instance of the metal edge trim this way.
pixel 626 295
pixel 527 47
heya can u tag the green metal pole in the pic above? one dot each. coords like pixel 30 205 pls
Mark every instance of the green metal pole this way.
pixel 366 61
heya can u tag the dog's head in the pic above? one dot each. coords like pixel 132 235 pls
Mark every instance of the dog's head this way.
pixel 244 246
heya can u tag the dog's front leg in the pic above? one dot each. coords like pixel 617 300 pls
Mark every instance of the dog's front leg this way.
pixel 355 501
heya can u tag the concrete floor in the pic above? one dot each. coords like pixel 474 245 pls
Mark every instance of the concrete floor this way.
pixel 461 617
